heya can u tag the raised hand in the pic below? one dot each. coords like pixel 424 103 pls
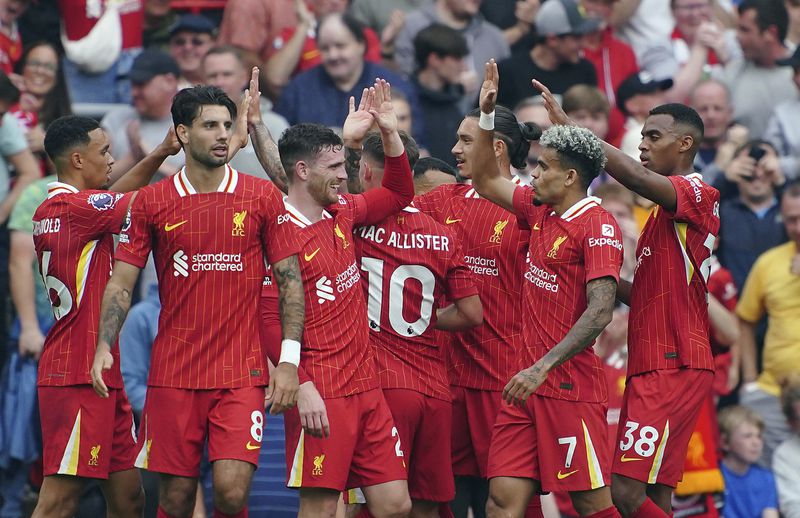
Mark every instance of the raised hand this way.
pixel 382 109
pixel 491 82
pixel 254 106
pixel 554 110
pixel 359 120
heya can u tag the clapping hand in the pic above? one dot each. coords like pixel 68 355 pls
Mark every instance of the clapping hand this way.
pixel 359 120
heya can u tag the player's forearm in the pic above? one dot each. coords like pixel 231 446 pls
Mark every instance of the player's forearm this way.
pixel 27 172
pixel 396 191
pixel 352 164
pixel 747 342
pixel 463 314
pixel 279 67
pixel 723 322
pixel 113 310
pixel 23 290
pixel 268 156
pixel 486 176
pixel 142 172
pixel 639 179
pixel 291 305
pixel 597 315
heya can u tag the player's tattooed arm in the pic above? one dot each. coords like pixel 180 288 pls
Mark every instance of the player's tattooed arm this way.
pixel 352 161
pixel 291 304
pixel 268 155
pixel 600 294
pixel 113 310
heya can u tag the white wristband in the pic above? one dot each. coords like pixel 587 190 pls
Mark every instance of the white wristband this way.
pixel 290 352
pixel 486 121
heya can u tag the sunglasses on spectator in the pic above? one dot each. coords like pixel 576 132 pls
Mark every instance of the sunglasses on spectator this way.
pixel 195 42
pixel 50 67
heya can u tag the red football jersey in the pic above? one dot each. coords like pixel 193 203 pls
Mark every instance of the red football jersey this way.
pixel 72 234
pixel 494 248
pixel 410 262
pixel 336 354
pixel 10 50
pixel 566 252
pixel 668 326
pixel 209 251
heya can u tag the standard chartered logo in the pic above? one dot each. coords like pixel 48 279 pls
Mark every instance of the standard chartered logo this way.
pixel 213 262
pixel 180 263
pixel 324 290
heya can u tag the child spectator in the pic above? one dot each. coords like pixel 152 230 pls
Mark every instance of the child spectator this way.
pixel 749 489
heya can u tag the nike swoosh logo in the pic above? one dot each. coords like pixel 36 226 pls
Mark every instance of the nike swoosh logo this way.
pixel 628 459
pixel 450 220
pixel 252 446
pixel 170 228
pixel 562 476
pixel 310 256
pixel 535 226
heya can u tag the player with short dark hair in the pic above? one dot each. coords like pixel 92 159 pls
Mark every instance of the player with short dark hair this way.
pixel 342 435
pixel 211 230
pixel 670 367
pixel 552 435
pixel 84 437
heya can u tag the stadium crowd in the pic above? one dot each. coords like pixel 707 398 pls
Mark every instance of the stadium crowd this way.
pixel 673 122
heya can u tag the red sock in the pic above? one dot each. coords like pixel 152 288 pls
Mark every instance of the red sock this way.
pixel 649 509
pixel 163 514
pixel 610 512
pixel 240 514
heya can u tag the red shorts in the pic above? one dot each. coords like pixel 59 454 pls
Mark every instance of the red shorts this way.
pixel 175 423
pixel 363 449
pixel 76 436
pixel 474 413
pixel 659 411
pixel 424 425
pixel 562 444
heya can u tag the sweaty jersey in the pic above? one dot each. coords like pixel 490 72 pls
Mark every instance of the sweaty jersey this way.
pixel 566 252
pixel 409 262
pixel 72 232
pixel 209 251
pixel 668 325
pixel 494 247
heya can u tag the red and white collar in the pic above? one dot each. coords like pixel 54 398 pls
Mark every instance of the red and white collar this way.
pixel 580 208
pixel 297 217
pixel 56 188
pixel 472 193
pixel 185 187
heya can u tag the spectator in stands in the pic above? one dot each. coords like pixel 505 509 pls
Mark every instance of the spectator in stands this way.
pixel 225 68
pixel 772 289
pixel 613 61
pixel 296 48
pixel 636 96
pixel 378 14
pixel 189 40
pixel 440 54
pixel 136 130
pixel 253 25
pixel 10 41
pixel 43 96
pixel 721 138
pixel 402 110
pixel 782 129
pixel 96 60
pixel 430 173
pixel 485 41
pixel 555 59
pixel 321 94
pixel 696 30
pixel 515 18
pixel 756 82
pixel 531 109
pixel 793 32
pixel 787 455
pixel 643 24
pixel 750 218
pixel 158 20
pixel 589 108
pixel 749 489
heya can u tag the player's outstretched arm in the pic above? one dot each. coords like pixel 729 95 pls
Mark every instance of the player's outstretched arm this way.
pixel 623 168
pixel 263 143
pixel 486 177
pixel 140 174
pixel 461 314
pixel 284 382
pixel 600 296
pixel 356 126
pixel 113 310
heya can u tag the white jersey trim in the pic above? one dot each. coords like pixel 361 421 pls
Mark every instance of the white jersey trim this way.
pixel 184 187
pixel 56 188
pixel 298 218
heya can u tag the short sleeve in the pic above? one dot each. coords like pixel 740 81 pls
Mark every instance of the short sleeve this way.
pixel 12 138
pixel 602 247
pixel 523 206
pixel 277 236
pixel 135 240
pixel 697 202
pixel 460 281
pixel 431 203
pixel 102 211
pixel 751 303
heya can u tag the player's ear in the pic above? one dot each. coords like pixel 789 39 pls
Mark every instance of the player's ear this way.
pixel 301 169
pixel 686 143
pixel 499 147
pixel 76 160
pixel 182 131
pixel 571 178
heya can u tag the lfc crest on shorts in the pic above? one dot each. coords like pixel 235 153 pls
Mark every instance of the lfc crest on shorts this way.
pixel 318 460
pixel 93 454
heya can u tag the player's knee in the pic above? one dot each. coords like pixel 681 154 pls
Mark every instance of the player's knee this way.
pixel 129 503
pixel 176 502
pixel 396 506
pixel 625 496
pixel 230 500
pixel 496 507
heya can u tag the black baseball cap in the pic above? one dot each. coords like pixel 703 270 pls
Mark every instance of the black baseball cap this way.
pixel 151 63
pixel 192 23
pixel 792 61
pixel 641 83
pixel 560 17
